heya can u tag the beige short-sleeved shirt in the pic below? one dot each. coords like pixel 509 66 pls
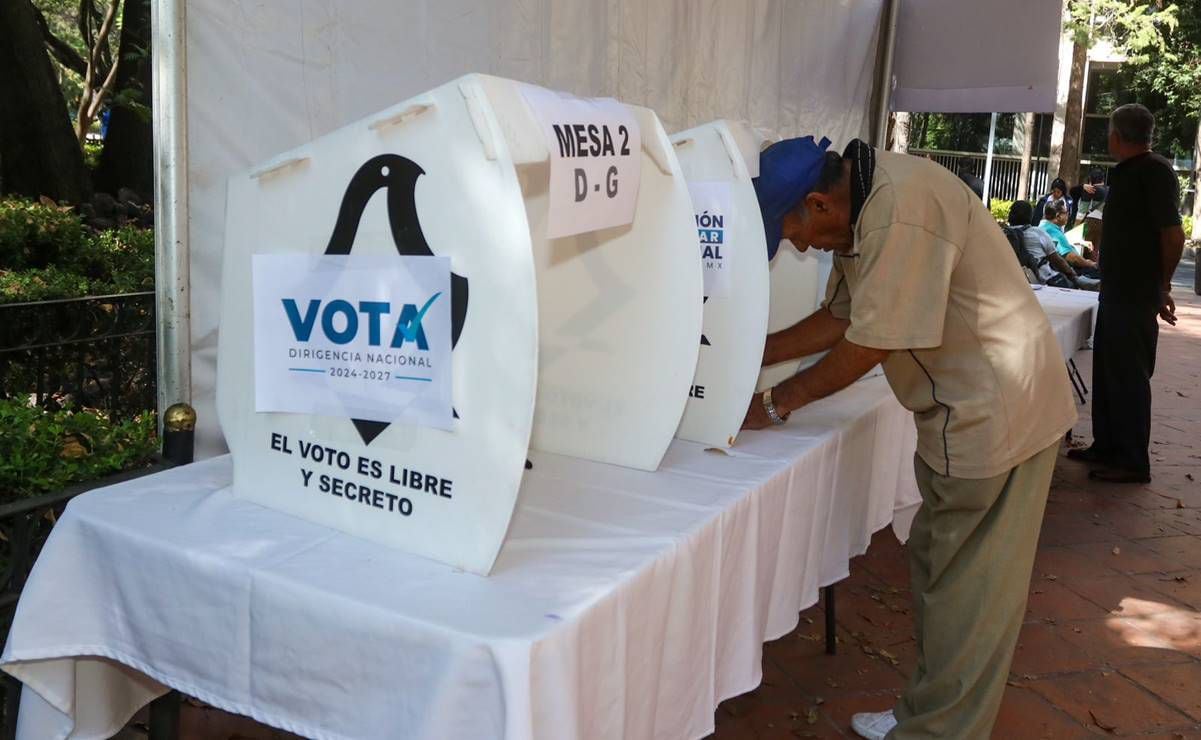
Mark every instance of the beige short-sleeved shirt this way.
pixel 932 277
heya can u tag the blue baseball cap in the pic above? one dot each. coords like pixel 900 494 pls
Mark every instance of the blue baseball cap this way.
pixel 788 170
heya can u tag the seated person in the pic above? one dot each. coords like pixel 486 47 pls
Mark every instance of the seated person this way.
pixel 1087 196
pixel 1059 191
pixel 1055 217
pixel 1053 269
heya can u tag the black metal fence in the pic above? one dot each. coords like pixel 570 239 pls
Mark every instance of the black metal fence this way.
pixel 96 352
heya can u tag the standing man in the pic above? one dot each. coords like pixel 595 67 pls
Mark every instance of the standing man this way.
pixel 924 282
pixel 1140 247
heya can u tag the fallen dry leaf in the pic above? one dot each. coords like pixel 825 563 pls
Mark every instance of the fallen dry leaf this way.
pixel 1099 723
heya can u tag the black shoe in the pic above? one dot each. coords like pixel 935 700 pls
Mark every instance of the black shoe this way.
pixel 1119 475
pixel 1089 455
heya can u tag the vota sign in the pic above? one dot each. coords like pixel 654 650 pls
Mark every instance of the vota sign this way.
pixel 366 338
pixel 406 325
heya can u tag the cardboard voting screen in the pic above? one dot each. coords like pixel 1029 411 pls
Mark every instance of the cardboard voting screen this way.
pixel 733 255
pixel 619 309
pixel 425 196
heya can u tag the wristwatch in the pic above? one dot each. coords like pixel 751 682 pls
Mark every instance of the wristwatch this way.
pixel 770 407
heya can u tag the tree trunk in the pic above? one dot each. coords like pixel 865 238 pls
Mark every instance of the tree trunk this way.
pixel 38 151
pixel 1027 156
pixel 900 134
pixel 127 159
pixel 1069 158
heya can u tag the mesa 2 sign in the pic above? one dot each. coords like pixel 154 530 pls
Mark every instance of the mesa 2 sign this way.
pixel 595 150
pixel 367 338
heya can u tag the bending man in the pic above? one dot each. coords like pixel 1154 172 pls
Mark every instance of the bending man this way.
pixel 924 282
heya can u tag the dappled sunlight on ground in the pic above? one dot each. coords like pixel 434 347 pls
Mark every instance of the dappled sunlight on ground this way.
pixel 1154 624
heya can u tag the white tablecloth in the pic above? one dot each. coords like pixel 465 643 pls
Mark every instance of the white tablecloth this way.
pixel 623 604
pixel 1073 315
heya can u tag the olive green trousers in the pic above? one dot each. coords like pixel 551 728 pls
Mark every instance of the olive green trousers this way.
pixel 971 552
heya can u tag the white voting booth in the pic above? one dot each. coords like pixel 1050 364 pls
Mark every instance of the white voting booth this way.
pixel 400 409
pixel 719 159
pixel 619 308
pixel 429 176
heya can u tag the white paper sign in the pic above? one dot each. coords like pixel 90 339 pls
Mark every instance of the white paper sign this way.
pixel 713 206
pixel 595 160
pixel 354 337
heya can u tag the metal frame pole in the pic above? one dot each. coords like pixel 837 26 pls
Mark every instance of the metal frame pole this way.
pixel 992 140
pixel 173 309
pixel 884 77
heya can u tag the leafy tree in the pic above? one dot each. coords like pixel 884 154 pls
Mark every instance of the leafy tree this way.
pixel 38 153
pixel 1169 83
pixel 1135 28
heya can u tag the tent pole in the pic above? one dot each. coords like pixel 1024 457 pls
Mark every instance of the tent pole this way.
pixel 992 138
pixel 173 308
pixel 884 77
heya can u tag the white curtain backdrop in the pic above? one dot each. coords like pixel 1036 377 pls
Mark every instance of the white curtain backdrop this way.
pixel 264 77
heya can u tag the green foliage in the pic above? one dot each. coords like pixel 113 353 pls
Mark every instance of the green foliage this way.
pixel 44 451
pixel 91 154
pixel 962 132
pixel 1187 222
pixel 62 17
pixel 34 235
pixel 1169 82
pixel 1135 29
pixel 46 252
pixel 1000 209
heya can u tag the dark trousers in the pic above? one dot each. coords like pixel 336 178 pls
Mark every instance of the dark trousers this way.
pixel 1123 362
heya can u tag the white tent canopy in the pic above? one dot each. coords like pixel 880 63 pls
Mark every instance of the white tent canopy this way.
pixel 265 77
pixel 237 82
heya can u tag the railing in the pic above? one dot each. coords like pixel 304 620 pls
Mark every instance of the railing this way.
pixel 1006 169
pixel 25 525
pixel 96 352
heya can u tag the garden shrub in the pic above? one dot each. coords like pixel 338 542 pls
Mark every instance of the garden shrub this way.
pixel 46 252
pixel 43 451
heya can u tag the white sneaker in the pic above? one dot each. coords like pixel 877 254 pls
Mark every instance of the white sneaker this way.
pixel 873 725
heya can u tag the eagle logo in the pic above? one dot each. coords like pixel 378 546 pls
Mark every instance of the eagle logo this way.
pixel 399 176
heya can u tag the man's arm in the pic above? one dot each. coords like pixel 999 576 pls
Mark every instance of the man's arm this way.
pixel 819 331
pixel 1061 265
pixel 1075 260
pixel 845 364
pixel 1171 246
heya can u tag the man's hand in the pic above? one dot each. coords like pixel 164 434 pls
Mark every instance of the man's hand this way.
pixel 1090 188
pixel 756 415
pixel 1167 307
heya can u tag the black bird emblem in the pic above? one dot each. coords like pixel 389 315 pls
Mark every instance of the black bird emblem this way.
pixel 399 176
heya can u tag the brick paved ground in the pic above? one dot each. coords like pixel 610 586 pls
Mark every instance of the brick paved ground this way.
pixel 1112 640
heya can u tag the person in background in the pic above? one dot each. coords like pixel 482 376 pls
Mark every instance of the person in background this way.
pixel 1087 196
pixel 925 284
pixel 1059 191
pixel 969 178
pixel 1055 217
pixel 1141 246
pixel 1053 269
